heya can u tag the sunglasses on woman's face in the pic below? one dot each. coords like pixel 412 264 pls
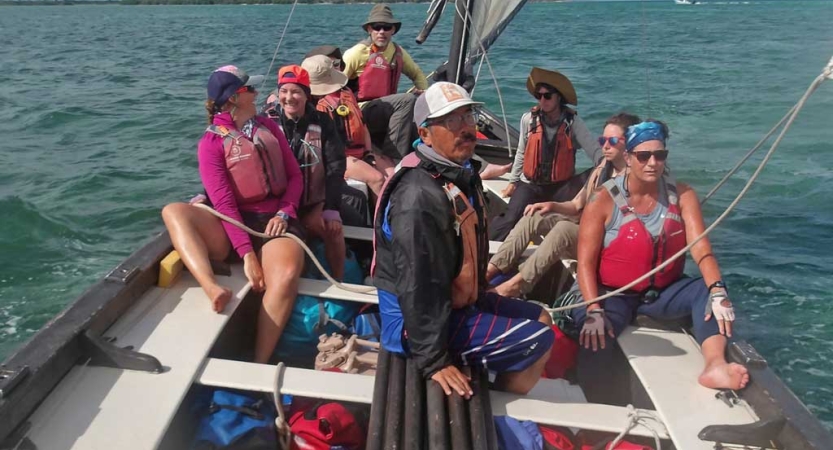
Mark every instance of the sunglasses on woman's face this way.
pixel 612 139
pixel 246 89
pixel 643 157
pixel 546 95
pixel 381 27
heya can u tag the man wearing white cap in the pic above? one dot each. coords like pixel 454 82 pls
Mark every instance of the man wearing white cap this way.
pixel 431 250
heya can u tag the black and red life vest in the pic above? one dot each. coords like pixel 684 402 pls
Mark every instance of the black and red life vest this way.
pixel 561 150
pixel 465 287
pixel 349 119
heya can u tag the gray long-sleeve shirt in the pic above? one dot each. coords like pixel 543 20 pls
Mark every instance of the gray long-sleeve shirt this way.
pixel 581 139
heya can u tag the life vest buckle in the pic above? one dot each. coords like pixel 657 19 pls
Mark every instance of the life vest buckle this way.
pixel 649 296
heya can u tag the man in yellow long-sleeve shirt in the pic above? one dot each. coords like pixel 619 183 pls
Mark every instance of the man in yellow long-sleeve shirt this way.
pixel 378 63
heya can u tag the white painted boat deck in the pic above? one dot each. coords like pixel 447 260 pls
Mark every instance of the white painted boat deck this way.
pixel 551 402
pixel 668 364
pixel 105 408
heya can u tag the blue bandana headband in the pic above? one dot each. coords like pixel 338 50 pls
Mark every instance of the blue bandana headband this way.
pixel 643 132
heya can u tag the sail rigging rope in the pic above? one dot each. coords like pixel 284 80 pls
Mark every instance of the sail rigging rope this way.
pixel 826 74
pixel 278 47
pixel 363 290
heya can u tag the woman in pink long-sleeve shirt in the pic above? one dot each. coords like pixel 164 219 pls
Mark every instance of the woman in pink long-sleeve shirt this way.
pixel 250 174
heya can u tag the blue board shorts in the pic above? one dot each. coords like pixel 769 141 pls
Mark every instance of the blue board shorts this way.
pixel 499 333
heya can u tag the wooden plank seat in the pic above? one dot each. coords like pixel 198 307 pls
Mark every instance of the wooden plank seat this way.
pixel 668 364
pixel 366 234
pixel 107 408
pixel 552 402
pixel 324 289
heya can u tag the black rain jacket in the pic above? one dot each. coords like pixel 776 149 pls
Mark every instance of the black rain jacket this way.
pixel 419 263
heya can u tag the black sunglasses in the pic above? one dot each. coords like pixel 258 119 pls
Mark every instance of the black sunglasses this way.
pixel 643 157
pixel 381 26
pixel 546 95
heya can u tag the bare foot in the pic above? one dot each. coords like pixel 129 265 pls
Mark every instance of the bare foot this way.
pixel 724 376
pixel 494 171
pixel 219 296
pixel 509 289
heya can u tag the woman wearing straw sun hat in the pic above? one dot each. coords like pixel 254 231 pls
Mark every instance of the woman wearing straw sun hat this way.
pixel 327 86
pixel 550 134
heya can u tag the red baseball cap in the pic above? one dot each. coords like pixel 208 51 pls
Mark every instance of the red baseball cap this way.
pixel 293 74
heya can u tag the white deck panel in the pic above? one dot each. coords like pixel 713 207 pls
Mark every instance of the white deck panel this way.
pixel 366 234
pixel 496 185
pixel 104 408
pixel 668 364
pixel 551 402
pixel 345 387
pixel 324 289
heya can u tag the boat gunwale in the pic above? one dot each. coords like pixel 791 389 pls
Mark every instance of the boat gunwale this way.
pixel 57 346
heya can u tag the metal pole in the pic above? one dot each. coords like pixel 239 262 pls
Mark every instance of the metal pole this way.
pixel 414 408
pixel 395 402
pixel 458 421
pixel 459 41
pixel 479 431
pixel 376 427
pixel 437 421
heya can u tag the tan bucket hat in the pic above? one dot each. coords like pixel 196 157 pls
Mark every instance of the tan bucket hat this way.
pixel 381 13
pixel 555 79
pixel 323 78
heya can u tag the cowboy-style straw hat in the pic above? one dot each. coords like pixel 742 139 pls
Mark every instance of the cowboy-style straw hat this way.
pixel 323 78
pixel 381 13
pixel 555 79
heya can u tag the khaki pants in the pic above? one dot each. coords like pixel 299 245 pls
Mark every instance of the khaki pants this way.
pixel 560 241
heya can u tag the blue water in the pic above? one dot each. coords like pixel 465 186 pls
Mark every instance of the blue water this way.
pixel 101 108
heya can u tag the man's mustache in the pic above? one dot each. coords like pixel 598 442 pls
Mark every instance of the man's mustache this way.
pixel 466 137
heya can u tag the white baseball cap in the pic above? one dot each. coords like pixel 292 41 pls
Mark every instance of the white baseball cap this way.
pixel 440 99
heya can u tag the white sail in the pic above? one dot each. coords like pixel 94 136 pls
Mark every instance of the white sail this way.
pixel 489 19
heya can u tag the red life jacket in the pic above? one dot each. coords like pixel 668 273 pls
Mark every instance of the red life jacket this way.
pixel 464 289
pixel 352 122
pixel 324 426
pixel 255 167
pixel 380 77
pixel 633 252
pixel 311 160
pixel 564 153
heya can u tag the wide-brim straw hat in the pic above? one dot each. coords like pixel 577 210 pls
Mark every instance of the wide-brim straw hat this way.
pixel 555 79
pixel 323 77
pixel 381 13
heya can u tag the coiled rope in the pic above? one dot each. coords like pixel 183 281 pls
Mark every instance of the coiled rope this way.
pixel 639 417
pixel 221 216
pixel 827 73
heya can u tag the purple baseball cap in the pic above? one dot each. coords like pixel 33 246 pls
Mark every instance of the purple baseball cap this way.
pixel 226 80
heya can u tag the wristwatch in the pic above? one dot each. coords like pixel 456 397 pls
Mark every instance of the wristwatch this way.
pixel 282 215
pixel 718 284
